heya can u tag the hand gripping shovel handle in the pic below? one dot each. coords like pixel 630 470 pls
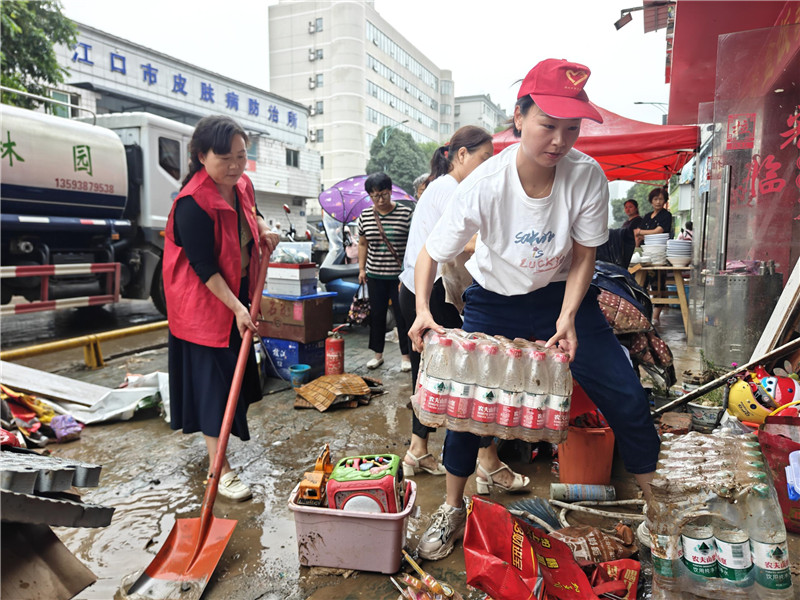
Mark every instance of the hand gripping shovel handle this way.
pixel 206 510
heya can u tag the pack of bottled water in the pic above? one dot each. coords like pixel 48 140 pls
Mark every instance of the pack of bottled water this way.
pixel 716 527
pixel 490 385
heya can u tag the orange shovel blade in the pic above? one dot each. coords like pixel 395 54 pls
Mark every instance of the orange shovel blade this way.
pixel 183 566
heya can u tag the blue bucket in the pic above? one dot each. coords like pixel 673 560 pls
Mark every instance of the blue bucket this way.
pixel 299 374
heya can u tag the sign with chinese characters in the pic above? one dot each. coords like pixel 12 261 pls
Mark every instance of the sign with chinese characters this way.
pixel 111 64
pixel 741 131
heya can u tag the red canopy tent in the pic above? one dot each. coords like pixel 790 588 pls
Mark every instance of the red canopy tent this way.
pixel 630 150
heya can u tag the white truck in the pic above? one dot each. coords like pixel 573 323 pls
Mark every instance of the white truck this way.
pixel 84 206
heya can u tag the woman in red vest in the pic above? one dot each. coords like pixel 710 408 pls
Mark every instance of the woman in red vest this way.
pixel 210 265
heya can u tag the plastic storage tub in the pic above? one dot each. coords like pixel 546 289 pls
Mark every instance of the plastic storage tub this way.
pixel 351 539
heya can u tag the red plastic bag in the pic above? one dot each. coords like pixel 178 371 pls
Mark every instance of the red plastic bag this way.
pixel 510 560
pixel 621 577
pixel 779 436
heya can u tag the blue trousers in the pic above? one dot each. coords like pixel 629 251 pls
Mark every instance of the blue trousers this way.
pixel 600 366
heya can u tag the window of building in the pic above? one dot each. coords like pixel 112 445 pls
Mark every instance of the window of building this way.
pixel 319 79
pixel 445 128
pixel 321 162
pixel 319 107
pixel 446 109
pixel 252 149
pixel 320 135
pixel 292 158
pixel 457 124
pixel 169 158
pixel 318 24
pixel 60 110
pixel 447 88
pixel 457 112
pixel 319 54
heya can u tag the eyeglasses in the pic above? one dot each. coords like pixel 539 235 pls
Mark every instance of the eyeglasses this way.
pixel 385 195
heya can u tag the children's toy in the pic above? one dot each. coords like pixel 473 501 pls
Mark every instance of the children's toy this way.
pixel 370 483
pixel 313 486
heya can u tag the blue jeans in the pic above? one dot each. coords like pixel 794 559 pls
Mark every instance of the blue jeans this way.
pixel 600 366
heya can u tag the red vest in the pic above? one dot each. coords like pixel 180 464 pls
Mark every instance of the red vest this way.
pixel 195 313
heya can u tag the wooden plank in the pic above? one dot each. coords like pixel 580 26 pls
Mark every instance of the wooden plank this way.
pixel 50 386
pixel 783 317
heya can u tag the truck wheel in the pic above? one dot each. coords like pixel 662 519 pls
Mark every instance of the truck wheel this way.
pixel 157 291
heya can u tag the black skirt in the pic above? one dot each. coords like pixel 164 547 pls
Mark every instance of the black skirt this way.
pixel 200 379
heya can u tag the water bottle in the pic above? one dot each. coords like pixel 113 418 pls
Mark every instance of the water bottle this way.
pixel 773 581
pixel 734 562
pixel 436 386
pixel 556 419
pixel 537 385
pixel 509 403
pixel 462 389
pixel 487 389
pixel 699 551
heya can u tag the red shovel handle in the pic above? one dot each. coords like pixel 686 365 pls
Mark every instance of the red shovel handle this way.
pixel 233 396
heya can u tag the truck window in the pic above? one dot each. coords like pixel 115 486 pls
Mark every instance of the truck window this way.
pixel 169 152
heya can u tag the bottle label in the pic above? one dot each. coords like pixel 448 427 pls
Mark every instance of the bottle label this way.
pixel 771 562
pixel 484 407
pixel 557 413
pixel 508 408
pixel 532 416
pixel 700 555
pixel 733 560
pixel 459 403
pixel 666 556
pixel 434 395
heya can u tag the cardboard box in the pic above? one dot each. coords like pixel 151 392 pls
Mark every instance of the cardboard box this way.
pixel 301 319
pixel 300 271
pixel 291 287
pixel 283 354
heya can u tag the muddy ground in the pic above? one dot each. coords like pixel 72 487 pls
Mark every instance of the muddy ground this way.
pixel 152 475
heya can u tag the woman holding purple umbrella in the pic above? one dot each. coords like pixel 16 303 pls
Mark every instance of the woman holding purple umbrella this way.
pixel 382 236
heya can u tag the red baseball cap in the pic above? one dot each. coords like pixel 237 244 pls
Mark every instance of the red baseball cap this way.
pixel 556 86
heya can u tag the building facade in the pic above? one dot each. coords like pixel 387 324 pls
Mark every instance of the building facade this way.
pixel 109 75
pixel 355 74
pixel 478 110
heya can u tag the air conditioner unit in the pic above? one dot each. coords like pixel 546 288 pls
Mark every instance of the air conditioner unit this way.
pixel 312 84
pixel 312 56
pixel 312 28
pixel 312 111
pixel 312 136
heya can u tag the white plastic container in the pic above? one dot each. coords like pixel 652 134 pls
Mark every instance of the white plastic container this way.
pixel 351 539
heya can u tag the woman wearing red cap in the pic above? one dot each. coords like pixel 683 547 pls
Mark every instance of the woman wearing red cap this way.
pixel 540 209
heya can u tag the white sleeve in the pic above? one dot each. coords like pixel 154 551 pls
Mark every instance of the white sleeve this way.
pixel 590 228
pixel 459 222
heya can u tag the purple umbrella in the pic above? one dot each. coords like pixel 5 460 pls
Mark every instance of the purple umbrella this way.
pixel 345 201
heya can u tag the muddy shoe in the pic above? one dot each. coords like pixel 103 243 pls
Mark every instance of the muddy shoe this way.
pixel 447 528
pixel 232 487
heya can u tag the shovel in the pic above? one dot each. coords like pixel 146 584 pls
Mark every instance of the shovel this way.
pixel 183 566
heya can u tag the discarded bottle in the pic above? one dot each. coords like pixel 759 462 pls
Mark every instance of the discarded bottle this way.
pixel 462 388
pixel 773 581
pixel 487 390
pixel 509 404
pixel 537 384
pixel 436 388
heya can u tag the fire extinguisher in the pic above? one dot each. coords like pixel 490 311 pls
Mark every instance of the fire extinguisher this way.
pixel 334 353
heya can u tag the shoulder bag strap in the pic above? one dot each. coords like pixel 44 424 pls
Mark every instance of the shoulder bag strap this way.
pixel 385 239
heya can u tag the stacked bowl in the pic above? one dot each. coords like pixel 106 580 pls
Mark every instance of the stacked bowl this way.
pixel 679 252
pixel 654 247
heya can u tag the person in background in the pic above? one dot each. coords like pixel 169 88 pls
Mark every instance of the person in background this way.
pixel 450 165
pixel 657 221
pixel 420 183
pixel 211 255
pixel 540 209
pixel 686 232
pixel 634 222
pixel 382 236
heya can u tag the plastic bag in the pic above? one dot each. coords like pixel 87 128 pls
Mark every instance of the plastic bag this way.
pixel 359 308
pixel 779 437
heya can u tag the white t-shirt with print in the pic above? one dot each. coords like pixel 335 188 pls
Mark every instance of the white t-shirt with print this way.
pixel 429 209
pixel 523 243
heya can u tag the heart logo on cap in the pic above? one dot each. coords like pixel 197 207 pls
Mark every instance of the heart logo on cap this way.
pixel 577 77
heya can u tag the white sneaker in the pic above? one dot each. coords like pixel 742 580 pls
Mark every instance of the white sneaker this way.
pixel 405 366
pixel 374 363
pixel 232 487
pixel 447 528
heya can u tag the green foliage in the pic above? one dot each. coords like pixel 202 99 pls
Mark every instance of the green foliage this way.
pixel 618 215
pixel 428 148
pixel 401 158
pixel 28 32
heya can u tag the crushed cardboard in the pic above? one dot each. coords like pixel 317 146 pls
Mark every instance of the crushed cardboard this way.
pixel 347 390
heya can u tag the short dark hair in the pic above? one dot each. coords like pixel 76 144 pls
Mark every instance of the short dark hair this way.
pixel 658 192
pixel 215 132
pixel 689 225
pixel 631 201
pixel 377 182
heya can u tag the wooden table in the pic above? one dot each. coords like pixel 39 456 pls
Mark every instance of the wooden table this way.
pixel 659 296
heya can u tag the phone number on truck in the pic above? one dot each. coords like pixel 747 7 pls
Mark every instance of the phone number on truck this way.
pixel 86 186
